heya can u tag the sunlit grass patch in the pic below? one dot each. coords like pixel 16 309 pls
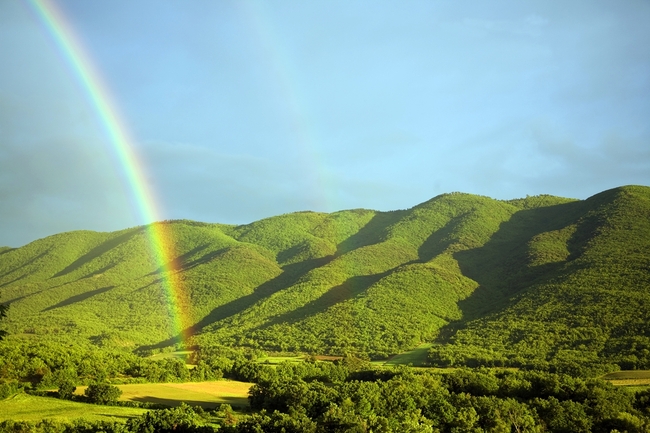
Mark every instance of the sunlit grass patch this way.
pixel 630 379
pixel 23 407
pixel 180 354
pixel 205 394
pixel 280 359
pixel 628 375
pixel 416 357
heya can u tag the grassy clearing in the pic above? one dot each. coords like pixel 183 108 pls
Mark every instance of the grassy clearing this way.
pixel 416 357
pixel 641 383
pixel 634 389
pixel 205 394
pixel 23 407
pixel 630 379
pixel 274 360
pixel 628 375
pixel 328 358
pixel 181 354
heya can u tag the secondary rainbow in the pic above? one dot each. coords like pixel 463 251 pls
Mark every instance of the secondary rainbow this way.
pixel 282 73
pixel 160 237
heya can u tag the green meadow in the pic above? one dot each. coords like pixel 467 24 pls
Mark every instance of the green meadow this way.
pixel 274 360
pixel 633 379
pixel 23 407
pixel 179 354
pixel 417 357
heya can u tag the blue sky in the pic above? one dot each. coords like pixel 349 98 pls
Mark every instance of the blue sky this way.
pixel 242 110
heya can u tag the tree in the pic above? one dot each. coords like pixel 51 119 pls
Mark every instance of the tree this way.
pixel 182 419
pixel 227 415
pixel 102 393
pixel 67 389
pixel 3 314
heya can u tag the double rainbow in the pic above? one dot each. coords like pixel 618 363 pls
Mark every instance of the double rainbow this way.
pixel 159 234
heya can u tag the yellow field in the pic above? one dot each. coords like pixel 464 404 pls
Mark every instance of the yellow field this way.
pixel 23 407
pixel 204 394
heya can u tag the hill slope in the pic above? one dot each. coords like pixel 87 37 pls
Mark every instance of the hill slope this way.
pixel 496 281
pixel 589 298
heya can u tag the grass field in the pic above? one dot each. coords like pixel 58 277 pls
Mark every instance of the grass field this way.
pixel 23 407
pixel 205 394
pixel 630 378
pixel 416 357
pixel 328 358
pixel 274 360
pixel 180 354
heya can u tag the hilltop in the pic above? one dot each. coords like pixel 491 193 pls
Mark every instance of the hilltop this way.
pixel 540 279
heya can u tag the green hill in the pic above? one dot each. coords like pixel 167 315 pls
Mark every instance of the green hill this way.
pixel 492 282
pixel 581 291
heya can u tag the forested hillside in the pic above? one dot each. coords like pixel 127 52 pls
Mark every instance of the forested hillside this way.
pixel 536 280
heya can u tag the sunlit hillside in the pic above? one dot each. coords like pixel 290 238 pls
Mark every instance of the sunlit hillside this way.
pixel 490 282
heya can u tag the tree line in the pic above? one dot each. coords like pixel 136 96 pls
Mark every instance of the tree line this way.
pixel 297 398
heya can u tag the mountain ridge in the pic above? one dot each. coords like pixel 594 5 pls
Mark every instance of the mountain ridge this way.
pixel 449 269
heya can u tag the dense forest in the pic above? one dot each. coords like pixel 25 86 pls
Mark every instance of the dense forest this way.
pixel 541 280
pixel 347 396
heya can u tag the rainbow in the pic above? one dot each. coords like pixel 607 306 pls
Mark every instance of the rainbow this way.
pixel 159 234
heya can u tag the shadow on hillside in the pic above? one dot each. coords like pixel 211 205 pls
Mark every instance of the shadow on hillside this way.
pixel 117 417
pixel 232 401
pixel 439 240
pixel 78 298
pixel 7 250
pixel 375 231
pixel 186 264
pixel 98 272
pixel 351 288
pixel 14 280
pixel 100 249
pixel 182 262
pixel 290 276
pixel 27 263
pixel 501 266
pixel 19 298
